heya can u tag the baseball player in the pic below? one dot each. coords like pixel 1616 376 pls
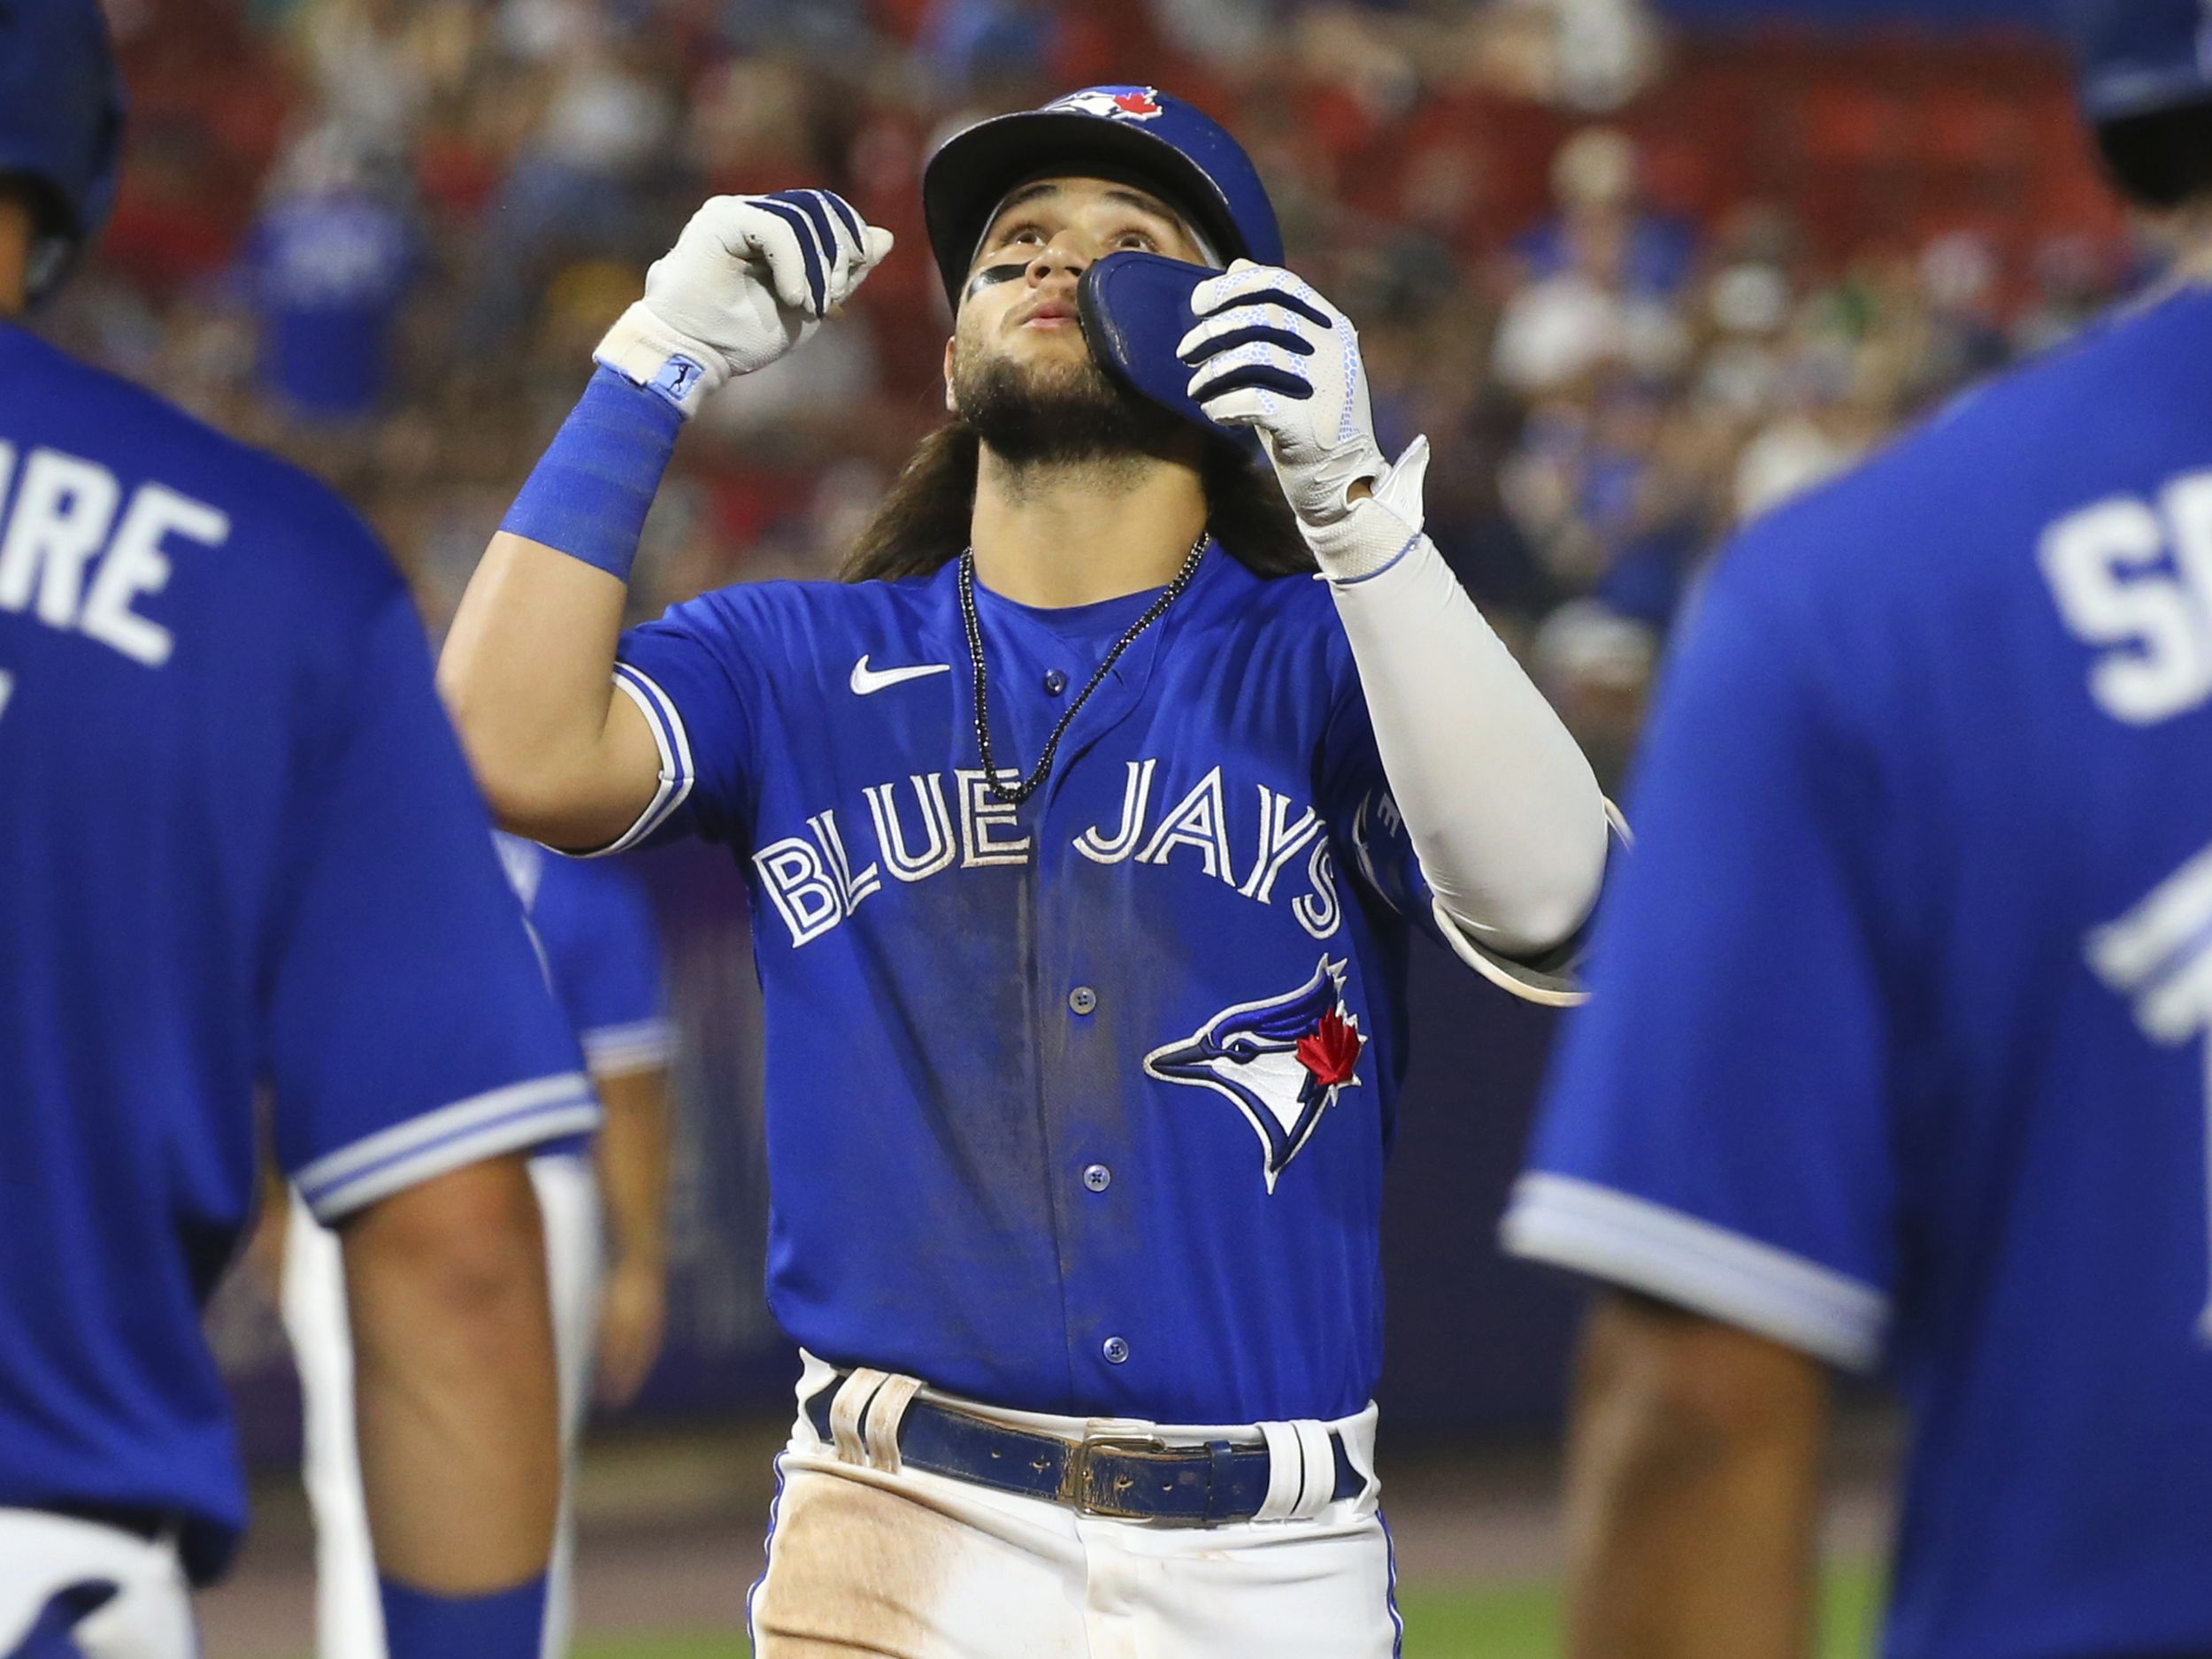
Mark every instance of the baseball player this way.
pixel 602 955
pixel 1087 835
pixel 240 843
pixel 1896 1058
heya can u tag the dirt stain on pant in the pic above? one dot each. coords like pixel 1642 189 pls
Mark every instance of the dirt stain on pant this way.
pixel 852 1569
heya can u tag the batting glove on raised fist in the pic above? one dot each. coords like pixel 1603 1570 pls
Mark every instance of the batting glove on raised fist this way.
pixel 750 278
pixel 1272 354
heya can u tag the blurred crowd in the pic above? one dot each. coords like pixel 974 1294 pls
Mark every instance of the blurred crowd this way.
pixel 1625 293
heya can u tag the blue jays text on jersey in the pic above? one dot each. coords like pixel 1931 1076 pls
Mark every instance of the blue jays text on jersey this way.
pixel 240 845
pixel 1079 1106
pixel 1897 1050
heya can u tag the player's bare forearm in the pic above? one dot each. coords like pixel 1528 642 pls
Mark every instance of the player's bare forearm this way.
pixel 1693 1489
pixel 633 1161
pixel 454 1380
pixel 528 673
pixel 633 1151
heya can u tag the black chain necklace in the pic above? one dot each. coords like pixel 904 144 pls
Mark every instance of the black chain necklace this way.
pixel 1029 785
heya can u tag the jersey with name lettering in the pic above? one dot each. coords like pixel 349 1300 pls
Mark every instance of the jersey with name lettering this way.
pixel 241 847
pixel 1080 1105
pixel 1896 1049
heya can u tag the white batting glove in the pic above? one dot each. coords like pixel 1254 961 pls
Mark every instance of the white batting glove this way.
pixel 1272 354
pixel 749 279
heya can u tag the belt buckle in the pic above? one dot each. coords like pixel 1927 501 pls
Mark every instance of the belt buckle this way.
pixel 1079 1482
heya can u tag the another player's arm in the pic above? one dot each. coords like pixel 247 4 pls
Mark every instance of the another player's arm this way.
pixel 528 666
pixel 1719 1135
pixel 633 1161
pixel 454 1380
pixel 1693 1493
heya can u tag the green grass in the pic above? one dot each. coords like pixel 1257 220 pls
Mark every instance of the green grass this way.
pixel 1499 1622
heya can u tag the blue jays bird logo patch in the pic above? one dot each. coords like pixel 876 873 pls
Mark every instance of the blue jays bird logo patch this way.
pixel 1281 1061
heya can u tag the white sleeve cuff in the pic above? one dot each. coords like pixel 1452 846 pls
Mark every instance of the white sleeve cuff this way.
pixel 1641 1246
pixel 676 775
pixel 643 1045
pixel 448 1138
pixel 1559 986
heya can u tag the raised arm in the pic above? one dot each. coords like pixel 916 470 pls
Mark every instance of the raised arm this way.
pixel 563 756
pixel 1501 806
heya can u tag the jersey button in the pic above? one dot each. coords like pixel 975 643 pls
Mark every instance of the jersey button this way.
pixel 1098 1178
pixel 1055 682
pixel 1115 1349
pixel 1082 999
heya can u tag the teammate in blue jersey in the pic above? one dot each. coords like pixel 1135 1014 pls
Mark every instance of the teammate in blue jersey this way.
pixel 1086 834
pixel 594 932
pixel 240 845
pixel 1896 1057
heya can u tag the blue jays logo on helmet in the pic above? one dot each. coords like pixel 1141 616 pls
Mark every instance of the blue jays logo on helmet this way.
pixel 1281 1062
pixel 1115 104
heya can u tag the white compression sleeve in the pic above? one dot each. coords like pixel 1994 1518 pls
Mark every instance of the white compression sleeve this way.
pixel 1503 808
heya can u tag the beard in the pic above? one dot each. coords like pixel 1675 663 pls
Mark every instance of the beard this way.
pixel 1056 413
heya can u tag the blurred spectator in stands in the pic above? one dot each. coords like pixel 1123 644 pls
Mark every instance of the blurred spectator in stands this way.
pixel 1589 56
pixel 1817 431
pixel 1224 35
pixel 2070 281
pixel 967 44
pixel 373 65
pixel 1595 667
pixel 1585 315
pixel 1596 185
pixel 587 178
pixel 1958 288
pixel 326 269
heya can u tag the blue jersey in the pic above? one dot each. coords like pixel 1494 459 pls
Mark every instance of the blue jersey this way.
pixel 1896 1050
pixel 596 934
pixel 240 845
pixel 1078 1106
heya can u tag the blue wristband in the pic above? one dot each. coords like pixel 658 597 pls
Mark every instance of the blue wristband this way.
pixel 504 1624
pixel 589 493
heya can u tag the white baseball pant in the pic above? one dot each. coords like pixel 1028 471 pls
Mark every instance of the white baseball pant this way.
pixel 147 1614
pixel 349 1618
pixel 868 1557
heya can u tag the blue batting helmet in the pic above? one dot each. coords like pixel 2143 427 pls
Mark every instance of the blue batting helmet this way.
pixel 61 124
pixel 1137 133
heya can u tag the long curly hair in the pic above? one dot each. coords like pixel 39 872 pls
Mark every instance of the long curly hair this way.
pixel 923 522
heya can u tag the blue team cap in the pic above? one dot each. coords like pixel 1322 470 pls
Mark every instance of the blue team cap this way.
pixel 2141 57
pixel 1140 134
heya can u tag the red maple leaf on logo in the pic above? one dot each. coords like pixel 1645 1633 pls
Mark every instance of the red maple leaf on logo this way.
pixel 1136 103
pixel 1330 1051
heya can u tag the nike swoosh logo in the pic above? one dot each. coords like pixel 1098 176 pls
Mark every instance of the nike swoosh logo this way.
pixel 867 679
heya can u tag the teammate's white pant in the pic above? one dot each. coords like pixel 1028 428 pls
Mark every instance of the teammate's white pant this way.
pixel 348 1620
pixel 150 1615
pixel 911 1566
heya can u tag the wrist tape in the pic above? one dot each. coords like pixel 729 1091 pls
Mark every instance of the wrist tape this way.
pixel 589 493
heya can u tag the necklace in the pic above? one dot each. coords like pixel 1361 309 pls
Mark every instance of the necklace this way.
pixel 1021 792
